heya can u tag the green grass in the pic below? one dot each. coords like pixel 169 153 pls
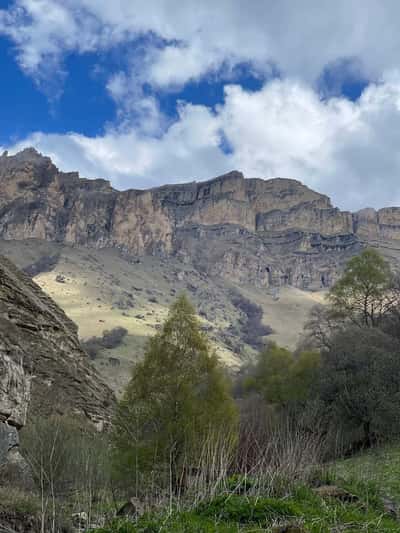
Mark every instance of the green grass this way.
pixel 240 513
pixel 380 466
pixel 371 477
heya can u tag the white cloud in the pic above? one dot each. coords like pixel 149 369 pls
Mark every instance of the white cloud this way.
pixel 344 149
pixel 188 150
pixel 301 39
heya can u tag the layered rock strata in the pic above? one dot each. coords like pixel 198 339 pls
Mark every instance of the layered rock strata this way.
pixel 273 231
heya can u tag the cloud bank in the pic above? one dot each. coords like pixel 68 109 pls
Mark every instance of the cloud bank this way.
pixel 290 127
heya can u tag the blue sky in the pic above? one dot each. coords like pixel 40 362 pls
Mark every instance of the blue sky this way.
pixel 145 94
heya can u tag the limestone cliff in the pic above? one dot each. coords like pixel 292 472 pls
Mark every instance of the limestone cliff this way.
pixel 267 232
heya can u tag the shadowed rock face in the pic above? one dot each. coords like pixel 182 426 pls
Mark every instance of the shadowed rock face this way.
pixel 267 232
pixel 43 369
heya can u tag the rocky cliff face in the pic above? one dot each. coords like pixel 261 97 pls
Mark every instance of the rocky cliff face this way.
pixel 43 369
pixel 267 232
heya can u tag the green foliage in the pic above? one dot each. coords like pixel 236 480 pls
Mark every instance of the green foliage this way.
pixel 358 393
pixel 238 484
pixel 177 400
pixel 304 373
pixel 184 522
pixel 359 385
pixel 243 510
pixel 273 368
pixel 378 468
pixel 18 501
pixel 282 377
pixel 363 294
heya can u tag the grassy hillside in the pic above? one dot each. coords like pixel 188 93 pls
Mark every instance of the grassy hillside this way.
pixel 100 290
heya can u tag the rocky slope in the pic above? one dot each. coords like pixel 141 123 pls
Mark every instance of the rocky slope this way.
pixel 271 232
pixel 43 369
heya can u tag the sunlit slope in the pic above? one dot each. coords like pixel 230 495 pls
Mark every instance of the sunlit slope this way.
pixel 101 290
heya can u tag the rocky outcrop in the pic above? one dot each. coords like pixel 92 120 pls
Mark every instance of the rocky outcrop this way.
pixel 267 232
pixel 43 369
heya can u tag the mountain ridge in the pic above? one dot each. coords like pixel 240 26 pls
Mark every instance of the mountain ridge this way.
pixel 279 223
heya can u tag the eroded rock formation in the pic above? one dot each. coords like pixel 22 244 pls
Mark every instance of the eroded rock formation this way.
pixel 267 232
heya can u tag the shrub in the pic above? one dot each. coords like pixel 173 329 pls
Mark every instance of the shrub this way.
pixel 359 386
pixel 238 483
pixel 65 455
pixel 45 264
pixel 114 337
pixel 109 340
pixel 253 329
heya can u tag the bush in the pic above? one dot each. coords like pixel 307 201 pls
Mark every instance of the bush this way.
pixel 253 329
pixel 113 338
pixel 92 346
pixel 109 340
pixel 359 387
pixel 239 483
pixel 44 264
pixel 66 455
pixel 282 377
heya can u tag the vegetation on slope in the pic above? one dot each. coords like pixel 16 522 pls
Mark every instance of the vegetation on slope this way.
pixel 197 459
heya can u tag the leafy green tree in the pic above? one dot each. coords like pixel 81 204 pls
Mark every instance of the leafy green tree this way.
pixel 365 293
pixel 177 400
pixel 272 374
pixel 282 377
pixel 359 382
pixel 304 374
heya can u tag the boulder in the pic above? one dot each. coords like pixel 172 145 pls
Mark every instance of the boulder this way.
pixel 14 470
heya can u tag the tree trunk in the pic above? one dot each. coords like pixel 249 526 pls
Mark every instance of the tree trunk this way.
pixel 367 434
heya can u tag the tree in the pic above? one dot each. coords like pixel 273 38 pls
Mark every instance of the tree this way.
pixel 284 378
pixel 177 399
pixel 365 293
pixel 358 335
pixel 359 382
pixel 322 324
